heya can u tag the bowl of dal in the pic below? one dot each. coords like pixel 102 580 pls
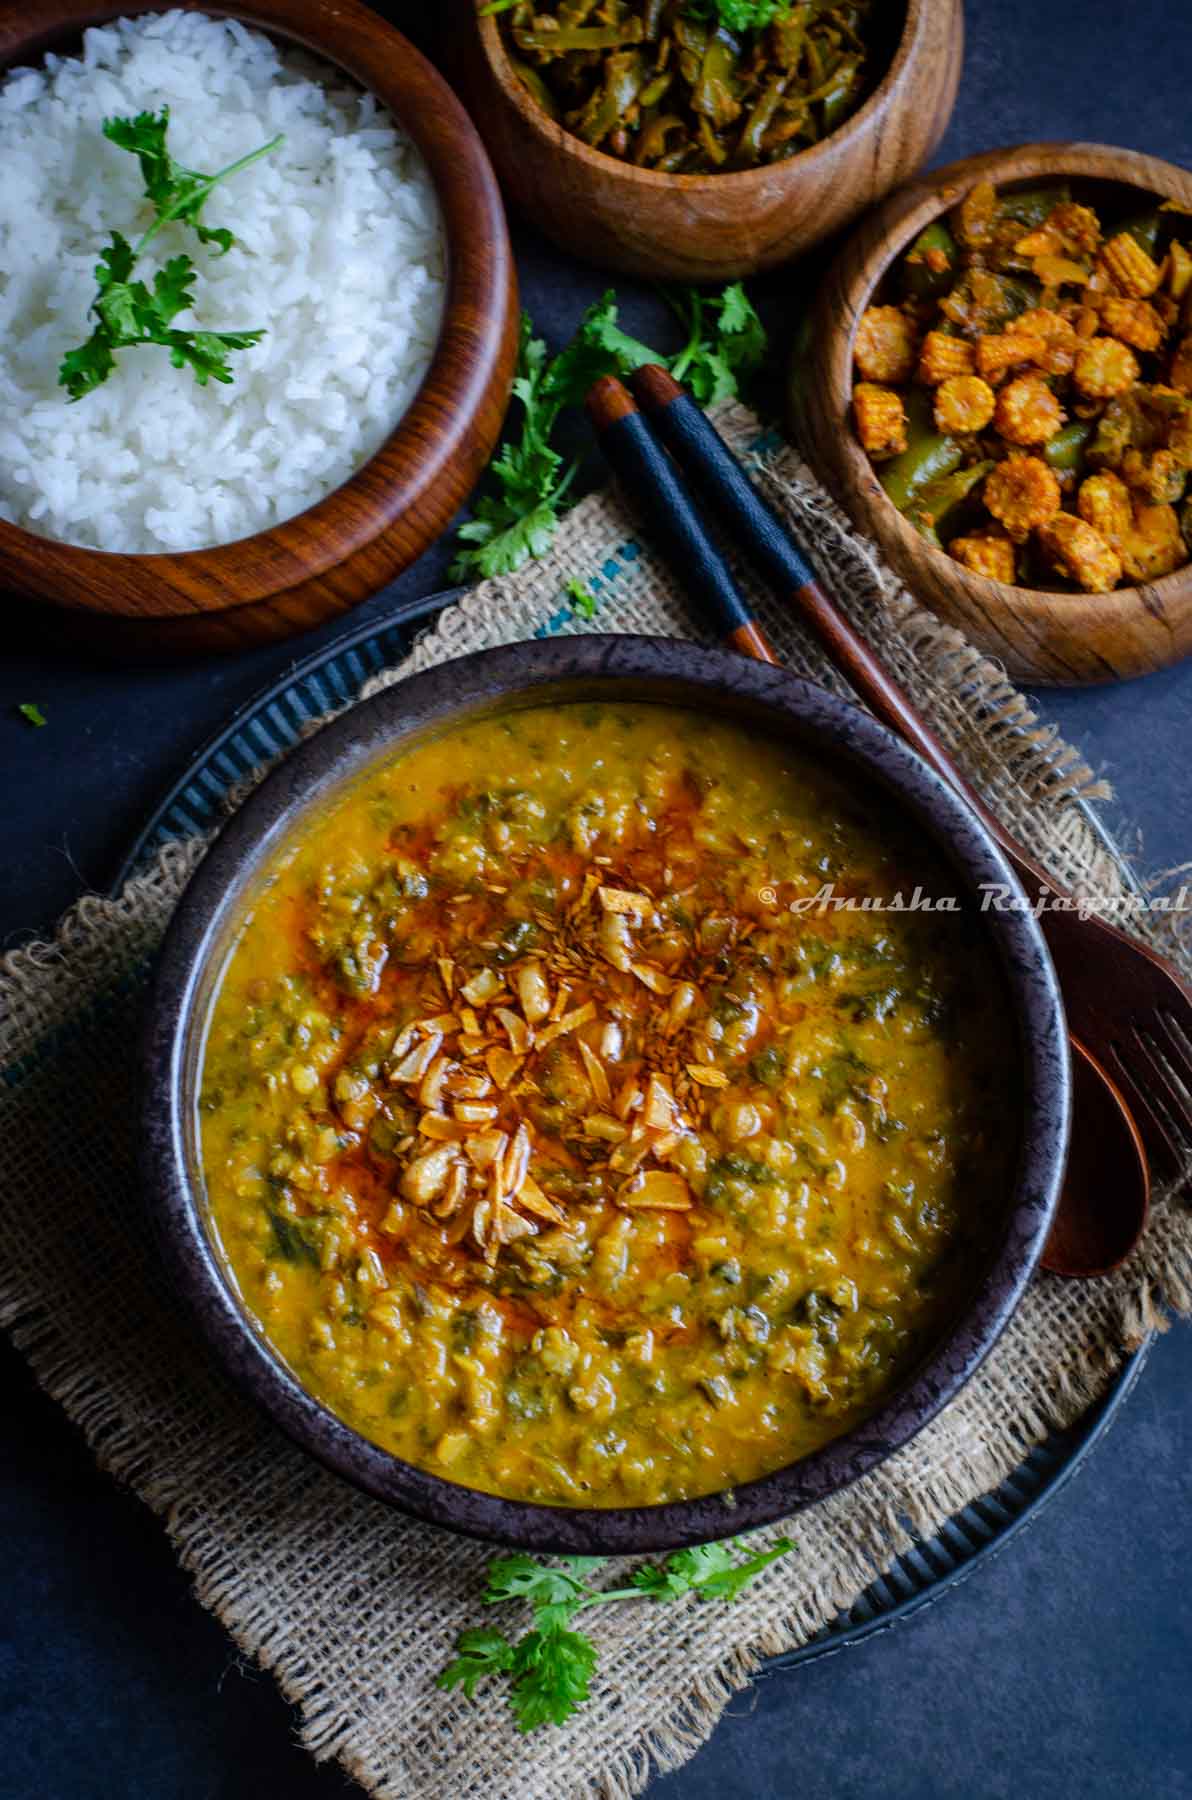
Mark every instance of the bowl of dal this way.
pixel 182 494
pixel 591 1100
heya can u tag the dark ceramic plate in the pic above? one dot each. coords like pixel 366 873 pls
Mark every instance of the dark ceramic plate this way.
pixel 272 723
pixel 670 672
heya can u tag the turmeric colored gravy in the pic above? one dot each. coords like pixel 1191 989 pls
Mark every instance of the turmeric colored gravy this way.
pixel 556 1153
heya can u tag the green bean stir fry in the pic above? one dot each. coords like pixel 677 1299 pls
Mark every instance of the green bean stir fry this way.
pixel 693 86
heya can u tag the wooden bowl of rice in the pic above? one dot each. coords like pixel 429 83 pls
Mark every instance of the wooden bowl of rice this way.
pixel 151 524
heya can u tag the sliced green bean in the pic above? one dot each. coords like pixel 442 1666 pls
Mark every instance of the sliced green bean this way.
pixel 715 97
pixel 921 278
pixel 624 78
pixel 580 37
pixel 652 93
pixel 927 457
pixel 1032 207
pixel 788 35
pixel 937 503
pixel 532 81
pixel 751 143
pixel 1065 451
pixel 838 99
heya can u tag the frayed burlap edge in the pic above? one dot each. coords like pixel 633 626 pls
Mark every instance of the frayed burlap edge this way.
pixel 356 1639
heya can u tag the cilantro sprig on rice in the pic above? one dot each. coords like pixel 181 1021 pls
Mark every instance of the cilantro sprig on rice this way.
pixel 130 313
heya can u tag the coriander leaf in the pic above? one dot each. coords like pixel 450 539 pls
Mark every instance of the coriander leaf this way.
pixel 517 518
pixel 121 310
pixel 481 1652
pixel 521 1577
pixel 709 1570
pixel 145 137
pixel 176 191
pixel 31 713
pixel 210 234
pixel 725 339
pixel 551 1665
pixel 173 289
pixel 552 1672
pixel 129 312
pixel 584 604
pixel 557 1616
pixel 699 1564
pixel 739 15
pixel 742 334
pixel 506 539
pixel 206 351
pixel 598 348
pixel 115 262
pixel 87 367
pixel 654 1583
pixel 725 1583
pixel 710 378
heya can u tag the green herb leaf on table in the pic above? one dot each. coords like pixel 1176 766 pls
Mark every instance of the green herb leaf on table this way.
pixel 583 601
pixel 725 341
pixel 480 1652
pixel 550 1666
pixel 516 519
pixel 712 1572
pixel 129 312
pixel 31 713
pixel 551 1670
pixel 522 1577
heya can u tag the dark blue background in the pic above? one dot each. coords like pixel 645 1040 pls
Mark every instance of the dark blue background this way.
pixel 1063 1667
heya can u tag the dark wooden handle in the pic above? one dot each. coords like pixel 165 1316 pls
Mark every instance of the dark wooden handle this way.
pixel 658 489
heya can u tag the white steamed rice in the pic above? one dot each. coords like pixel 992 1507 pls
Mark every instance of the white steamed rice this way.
pixel 338 254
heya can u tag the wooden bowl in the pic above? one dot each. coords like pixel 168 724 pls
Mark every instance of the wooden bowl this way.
pixel 339 551
pixel 667 672
pixel 1053 638
pixel 713 227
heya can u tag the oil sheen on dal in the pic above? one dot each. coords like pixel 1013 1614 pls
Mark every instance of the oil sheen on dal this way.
pixel 557 1152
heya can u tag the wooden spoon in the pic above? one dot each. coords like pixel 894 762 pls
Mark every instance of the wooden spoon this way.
pixel 1104 1204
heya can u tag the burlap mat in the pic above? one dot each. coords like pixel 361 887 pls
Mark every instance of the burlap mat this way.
pixel 353 1608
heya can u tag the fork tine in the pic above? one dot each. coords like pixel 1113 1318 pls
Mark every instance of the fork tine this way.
pixel 1175 1044
pixel 1162 1141
pixel 1167 1079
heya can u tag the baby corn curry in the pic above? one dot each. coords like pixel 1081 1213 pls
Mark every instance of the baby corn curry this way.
pixel 1025 388
pixel 565 1144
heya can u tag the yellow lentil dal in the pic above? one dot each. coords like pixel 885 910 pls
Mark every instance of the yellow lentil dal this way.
pixel 558 1152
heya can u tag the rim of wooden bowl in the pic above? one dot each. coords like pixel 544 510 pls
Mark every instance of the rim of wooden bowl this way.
pixel 473 353
pixel 667 672
pixel 861 268
pixel 556 138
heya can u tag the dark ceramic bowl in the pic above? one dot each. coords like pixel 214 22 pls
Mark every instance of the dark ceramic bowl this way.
pixel 652 669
